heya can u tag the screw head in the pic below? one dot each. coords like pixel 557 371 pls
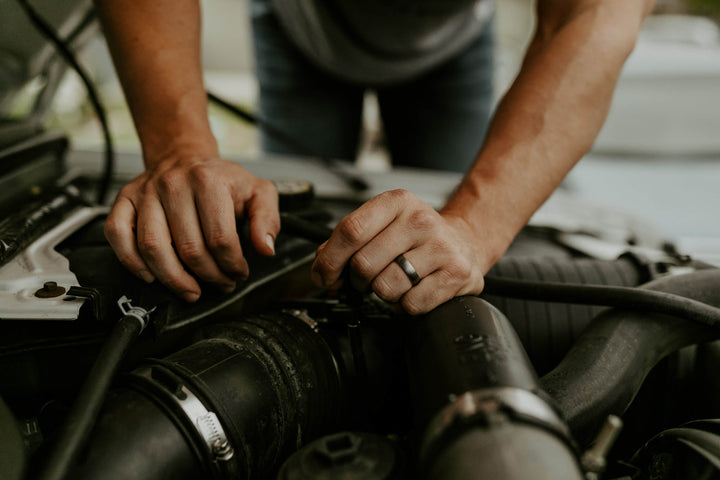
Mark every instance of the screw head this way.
pixel 50 289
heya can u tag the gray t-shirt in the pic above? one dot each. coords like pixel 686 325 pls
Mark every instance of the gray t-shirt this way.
pixel 381 42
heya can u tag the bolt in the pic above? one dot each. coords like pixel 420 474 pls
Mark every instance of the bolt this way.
pixel 222 449
pixel 50 289
pixel 594 460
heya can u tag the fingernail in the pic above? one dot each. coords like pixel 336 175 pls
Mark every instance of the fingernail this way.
pixel 228 288
pixel 190 297
pixel 270 242
pixel 146 276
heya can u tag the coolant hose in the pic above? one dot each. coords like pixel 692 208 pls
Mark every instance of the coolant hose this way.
pixel 478 401
pixel 605 368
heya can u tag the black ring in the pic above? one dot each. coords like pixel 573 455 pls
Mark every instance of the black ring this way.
pixel 408 269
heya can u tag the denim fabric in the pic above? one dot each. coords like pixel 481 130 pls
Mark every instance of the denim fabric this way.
pixel 437 120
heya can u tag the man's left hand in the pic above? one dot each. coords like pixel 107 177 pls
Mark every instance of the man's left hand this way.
pixel 442 249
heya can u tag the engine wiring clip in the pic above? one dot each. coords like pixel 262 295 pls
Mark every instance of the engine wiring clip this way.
pixel 139 313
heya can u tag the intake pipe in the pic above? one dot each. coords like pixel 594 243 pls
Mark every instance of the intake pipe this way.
pixel 231 405
pixel 607 365
pixel 478 401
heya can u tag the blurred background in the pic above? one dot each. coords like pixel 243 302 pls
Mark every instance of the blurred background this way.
pixel 658 155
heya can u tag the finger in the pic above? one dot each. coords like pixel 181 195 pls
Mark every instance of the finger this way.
pixel 356 230
pixel 264 217
pixel 155 247
pixel 426 295
pixel 380 253
pixel 392 283
pixel 446 282
pixel 217 216
pixel 120 234
pixel 187 235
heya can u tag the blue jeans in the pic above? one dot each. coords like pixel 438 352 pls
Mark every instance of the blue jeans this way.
pixel 436 121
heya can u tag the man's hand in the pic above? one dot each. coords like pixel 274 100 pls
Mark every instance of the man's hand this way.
pixel 443 249
pixel 179 217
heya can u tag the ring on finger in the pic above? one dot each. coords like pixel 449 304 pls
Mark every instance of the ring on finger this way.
pixel 408 268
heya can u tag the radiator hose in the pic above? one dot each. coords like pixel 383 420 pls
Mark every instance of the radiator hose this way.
pixel 608 363
pixel 478 400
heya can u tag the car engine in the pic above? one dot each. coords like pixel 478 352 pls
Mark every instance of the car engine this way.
pixel 570 365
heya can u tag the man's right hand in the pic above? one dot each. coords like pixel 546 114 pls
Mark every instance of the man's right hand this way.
pixel 178 219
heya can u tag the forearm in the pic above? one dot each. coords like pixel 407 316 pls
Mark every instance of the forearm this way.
pixel 156 49
pixel 549 118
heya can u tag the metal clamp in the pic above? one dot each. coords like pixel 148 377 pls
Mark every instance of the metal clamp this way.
pixel 523 403
pixel 304 317
pixel 207 425
pixel 139 313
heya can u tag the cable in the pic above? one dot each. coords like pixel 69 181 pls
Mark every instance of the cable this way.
pixel 623 297
pixel 354 181
pixel 45 28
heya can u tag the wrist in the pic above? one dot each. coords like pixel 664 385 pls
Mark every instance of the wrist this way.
pixel 488 222
pixel 179 150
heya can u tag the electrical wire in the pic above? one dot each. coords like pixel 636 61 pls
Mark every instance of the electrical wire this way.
pixel 354 181
pixel 610 296
pixel 62 48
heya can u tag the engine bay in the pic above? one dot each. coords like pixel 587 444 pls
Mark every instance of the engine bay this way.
pixel 536 378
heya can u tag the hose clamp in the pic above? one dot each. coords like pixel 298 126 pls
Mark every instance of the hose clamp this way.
pixel 522 405
pixel 206 423
pixel 138 313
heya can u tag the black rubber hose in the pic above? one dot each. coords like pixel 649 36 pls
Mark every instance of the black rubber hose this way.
pixel 476 397
pixel 87 405
pixel 456 348
pixel 625 297
pixel 679 453
pixel 606 366
pixel 271 381
pixel 548 329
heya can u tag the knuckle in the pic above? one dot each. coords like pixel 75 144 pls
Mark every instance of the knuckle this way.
pixel 265 187
pixel 399 195
pixel 383 289
pixel 190 252
pixel 127 191
pixel 323 264
pixel 149 244
pixel 112 229
pixel 169 182
pixel 202 174
pixel 351 229
pixel 411 305
pixel 422 219
pixel 440 244
pixel 420 304
pixel 460 269
pixel 222 242
pixel 449 275
pixel 361 265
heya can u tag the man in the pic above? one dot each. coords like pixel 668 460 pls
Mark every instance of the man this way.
pixel 182 209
